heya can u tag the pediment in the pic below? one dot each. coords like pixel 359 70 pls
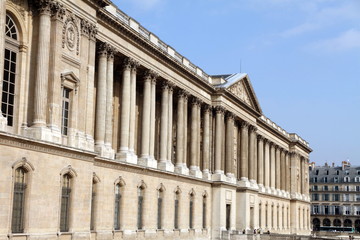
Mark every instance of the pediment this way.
pixel 239 85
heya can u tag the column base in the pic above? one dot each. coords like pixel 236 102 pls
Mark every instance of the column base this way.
pixel 195 171
pixel 206 174
pixel 268 190
pixel 89 142
pixel 166 166
pixel 105 151
pixel 126 156
pixel 43 133
pixel 230 178
pixel 244 182
pixel 3 123
pixel 219 176
pixel 181 169
pixel 147 161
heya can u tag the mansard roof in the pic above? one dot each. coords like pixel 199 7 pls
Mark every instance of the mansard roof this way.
pixel 240 86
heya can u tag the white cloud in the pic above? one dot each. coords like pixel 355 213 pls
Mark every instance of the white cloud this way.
pixel 320 18
pixel 348 40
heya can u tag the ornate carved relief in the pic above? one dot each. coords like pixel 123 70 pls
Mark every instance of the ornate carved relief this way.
pixel 239 91
pixel 71 34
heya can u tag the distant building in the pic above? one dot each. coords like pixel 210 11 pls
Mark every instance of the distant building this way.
pixel 335 195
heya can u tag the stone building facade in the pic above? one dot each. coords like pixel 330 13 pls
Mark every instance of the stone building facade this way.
pixel 106 132
pixel 335 195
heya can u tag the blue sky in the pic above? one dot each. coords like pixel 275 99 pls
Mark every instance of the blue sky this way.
pixel 302 56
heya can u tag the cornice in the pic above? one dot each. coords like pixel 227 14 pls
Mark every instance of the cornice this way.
pixel 99 3
pixel 263 124
pixel 150 48
pixel 301 145
pixel 22 142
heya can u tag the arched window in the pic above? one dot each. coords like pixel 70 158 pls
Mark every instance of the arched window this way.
pixel 357 225
pixel 347 223
pixel 160 208
pixel 17 223
pixel 204 203
pixel 65 203
pixel 95 182
pixel 337 223
pixel 117 206
pixel 140 207
pixel 191 211
pixel 10 67
pixel 326 222
pixel 176 209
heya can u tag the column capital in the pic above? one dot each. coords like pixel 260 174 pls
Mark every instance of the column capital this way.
pixel 183 94
pixel 111 51
pixel 260 137
pixel 44 6
pixel 151 75
pixel 244 124
pixel 195 101
pixel 207 108
pixel 230 116
pixel 220 110
pixel 252 128
pixel 102 49
pixel 58 10
pixel 135 65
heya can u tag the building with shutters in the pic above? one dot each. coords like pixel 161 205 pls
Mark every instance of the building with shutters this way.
pixel 106 132
pixel 335 197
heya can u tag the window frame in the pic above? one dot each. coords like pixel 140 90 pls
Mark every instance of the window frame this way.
pixel 17 226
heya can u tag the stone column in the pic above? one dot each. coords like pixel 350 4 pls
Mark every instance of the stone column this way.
pixel 152 118
pixel 229 166
pixel 244 150
pixel 164 124
pixel 287 171
pixel 133 109
pixel 180 164
pixel 206 142
pixel 267 163
pixel 194 161
pixel 278 167
pixel 252 153
pixel 260 156
pixel 3 120
pixel 109 102
pixel 218 139
pixel 42 66
pixel 125 111
pixel 101 99
pixel 170 125
pixel 185 130
pixel 302 163
pixel 272 166
pixel 146 124
pixel 283 169
pixel 89 128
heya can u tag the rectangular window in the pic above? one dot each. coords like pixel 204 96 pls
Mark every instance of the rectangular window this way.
pixel 93 199
pixel 336 197
pixel 228 211
pixel 315 197
pixel 315 188
pixel 315 179
pixel 358 188
pixel 336 179
pixel 140 211
pixel 191 212
pixel 8 89
pixel 347 210
pixel 316 209
pixel 325 197
pixel 325 179
pixel 325 188
pixel 337 210
pixel 326 210
pixel 336 188
pixel 346 197
pixel 204 213
pixel 357 197
pixel 65 111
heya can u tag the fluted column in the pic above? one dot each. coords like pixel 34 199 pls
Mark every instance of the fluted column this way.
pixel 272 166
pixel 185 130
pixel 164 123
pixel 244 148
pixel 180 131
pixel 267 163
pixel 42 64
pixel 125 108
pixel 278 167
pixel 229 166
pixel 101 97
pixel 133 110
pixel 170 124
pixel 302 163
pixel 218 139
pixel 195 141
pixel 252 153
pixel 146 111
pixel 287 171
pixel 152 118
pixel 260 156
pixel 206 140
pixel 283 169
pixel 109 98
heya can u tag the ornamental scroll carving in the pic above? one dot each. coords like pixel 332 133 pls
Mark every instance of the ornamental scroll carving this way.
pixel 239 91
pixel 71 34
